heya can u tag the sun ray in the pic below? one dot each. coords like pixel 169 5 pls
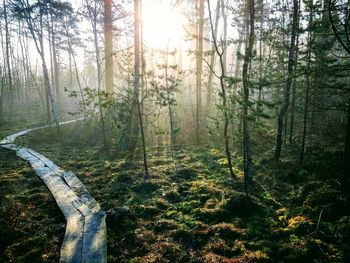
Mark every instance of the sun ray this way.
pixel 162 24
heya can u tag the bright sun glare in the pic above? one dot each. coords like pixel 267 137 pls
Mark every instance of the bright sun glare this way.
pixel 162 23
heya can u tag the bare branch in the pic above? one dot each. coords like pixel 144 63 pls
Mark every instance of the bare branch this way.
pixel 211 68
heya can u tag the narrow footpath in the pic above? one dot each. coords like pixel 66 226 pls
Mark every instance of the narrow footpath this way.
pixel 85 236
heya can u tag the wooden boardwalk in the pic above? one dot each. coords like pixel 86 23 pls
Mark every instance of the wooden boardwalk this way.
pixel 85 237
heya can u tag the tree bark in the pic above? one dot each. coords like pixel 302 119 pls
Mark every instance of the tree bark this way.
pixel 290 70
pixel 8 62
pixel 53 57
pixel 47 84
pixel 237 69
pixel 72 56
pixel 199 56
pixel 292 109
pixel 346 160
pixel 212 59
pixel 306 104
pixel 248 160
pixel 223 97
pixel 108 32
pixel 170 110
pixel 258 104
pixel 224 37
pixel 56 69
pixel 93 20
pixel 137 82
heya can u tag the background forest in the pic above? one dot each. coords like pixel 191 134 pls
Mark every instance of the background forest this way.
pixel 209 131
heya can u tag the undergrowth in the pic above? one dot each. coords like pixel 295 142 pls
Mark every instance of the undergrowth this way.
pixel 192 211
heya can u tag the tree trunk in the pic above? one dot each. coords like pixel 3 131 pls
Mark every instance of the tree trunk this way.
pixel 292 110
pixel 248 160
pixel 285 130
pixel 41 51
pixel 170 110
pixel 49 30
pixel 261 51
pixel 52 104
pixel 307 92
pixel 108 31
pixel 56 69
pixel 345 43
pixel 346 160
pixel 290 69
pixel 53 58
pixel 97 50
pixel 38 39
pixel 224 37
pixel 2 84
pixel 8 62
pixel 212 60
pixel 137 82
pixel 223 96
pixel 237 69
pixel 199 56
pixel 72 56
pixel 98 67
pixel 70 69
pixel 25 66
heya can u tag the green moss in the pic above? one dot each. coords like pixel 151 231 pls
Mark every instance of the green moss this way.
pixel 160 203
pixel 32 227
pixel 215 215
pixel 255 256
pixel 146 212
pixel 195 213
pixel 227 231
pixel 163 225
pixel 172 196
pixel 189 206
pixel 241 205
pixel 221 247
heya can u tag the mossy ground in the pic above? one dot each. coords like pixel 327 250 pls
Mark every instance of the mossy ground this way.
pixel 191 210
pixel 31 225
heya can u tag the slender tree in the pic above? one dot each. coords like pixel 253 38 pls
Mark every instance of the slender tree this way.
pixel 7 54
pixel 224 34
pixel 137 84
pixel 288 81
pixel 108 32
pixel 308 82
pixel 169 86
pixel 294 87
pixel 212 58
pixel 92 14
pixel 221 77
pixel 69 25
pixel 34 16
pixel 55 65
pixel 199 63
pixel 339 18
pixel 246 88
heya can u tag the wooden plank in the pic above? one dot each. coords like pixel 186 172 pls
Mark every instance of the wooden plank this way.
pixel 94 247
pixel 72 246
pixel 79 188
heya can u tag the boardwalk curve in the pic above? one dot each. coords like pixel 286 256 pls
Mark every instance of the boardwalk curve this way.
pixel 85 236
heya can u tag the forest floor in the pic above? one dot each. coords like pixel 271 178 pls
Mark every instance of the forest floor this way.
pixel 189 211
